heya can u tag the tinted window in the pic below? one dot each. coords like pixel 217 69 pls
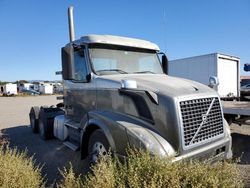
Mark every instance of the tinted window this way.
pixel 80 65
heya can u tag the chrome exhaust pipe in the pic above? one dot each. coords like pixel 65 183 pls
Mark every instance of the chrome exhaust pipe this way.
pixel 71 24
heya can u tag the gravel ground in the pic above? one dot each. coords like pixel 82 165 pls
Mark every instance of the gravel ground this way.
pixel 53 155
pixel 241 149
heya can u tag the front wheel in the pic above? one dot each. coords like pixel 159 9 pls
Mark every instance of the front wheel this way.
pixel 98 146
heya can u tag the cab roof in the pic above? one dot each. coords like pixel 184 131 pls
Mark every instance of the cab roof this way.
pixel 117 40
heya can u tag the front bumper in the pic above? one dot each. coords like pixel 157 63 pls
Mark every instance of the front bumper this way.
pixel 214 152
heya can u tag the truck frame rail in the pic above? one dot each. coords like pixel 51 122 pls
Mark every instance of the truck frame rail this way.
pixel 237 111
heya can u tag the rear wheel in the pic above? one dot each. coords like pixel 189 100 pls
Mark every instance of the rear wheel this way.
pixel 34 112
pixel 98 146
pixel 45 128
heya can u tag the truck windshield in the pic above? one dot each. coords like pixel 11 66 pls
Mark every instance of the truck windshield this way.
pixel 113 61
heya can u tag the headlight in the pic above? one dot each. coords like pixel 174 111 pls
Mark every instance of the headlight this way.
pixel 165 144
pixel 141 138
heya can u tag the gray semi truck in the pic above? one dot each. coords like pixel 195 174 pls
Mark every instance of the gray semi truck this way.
pixel 117 94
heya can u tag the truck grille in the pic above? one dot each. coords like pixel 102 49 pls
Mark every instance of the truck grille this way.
pixel 202 120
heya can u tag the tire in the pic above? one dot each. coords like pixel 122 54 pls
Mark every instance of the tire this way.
pixel 34 113
pixel 45 126
pixel 60 105
pixel 98 145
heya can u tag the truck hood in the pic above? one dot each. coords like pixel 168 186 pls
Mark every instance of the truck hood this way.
pixel 158 83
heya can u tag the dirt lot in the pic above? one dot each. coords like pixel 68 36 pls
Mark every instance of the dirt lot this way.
pixel 14 123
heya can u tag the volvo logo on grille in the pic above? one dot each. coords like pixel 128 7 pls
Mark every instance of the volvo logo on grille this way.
pixel 204 118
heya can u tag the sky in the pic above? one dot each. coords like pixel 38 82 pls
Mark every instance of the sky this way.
pixel 33 32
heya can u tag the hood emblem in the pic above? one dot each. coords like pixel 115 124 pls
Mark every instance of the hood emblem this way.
pixel 204 118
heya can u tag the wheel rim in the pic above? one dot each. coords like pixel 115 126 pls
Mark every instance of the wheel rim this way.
pixel 98 150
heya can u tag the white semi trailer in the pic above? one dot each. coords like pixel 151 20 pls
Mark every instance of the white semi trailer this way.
pixel 9 89
pixel 224 68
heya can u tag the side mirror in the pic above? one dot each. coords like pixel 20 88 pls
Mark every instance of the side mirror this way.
pixel 67 55
pixel 88 77
pixel 213 81
pixel 164 63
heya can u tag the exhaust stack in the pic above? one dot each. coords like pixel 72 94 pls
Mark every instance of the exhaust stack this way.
pixel 71 24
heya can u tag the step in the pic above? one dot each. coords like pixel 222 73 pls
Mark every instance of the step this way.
pixel 71 145
pixel 73 125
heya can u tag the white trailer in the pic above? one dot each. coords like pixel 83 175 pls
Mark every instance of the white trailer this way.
pixel 46 89
pixel 201 68
pixel 10 89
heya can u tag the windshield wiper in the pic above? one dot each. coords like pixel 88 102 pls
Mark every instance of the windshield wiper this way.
pixel 141 72
pixel 116 70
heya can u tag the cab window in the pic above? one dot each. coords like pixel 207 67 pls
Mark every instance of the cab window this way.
pixel 80 65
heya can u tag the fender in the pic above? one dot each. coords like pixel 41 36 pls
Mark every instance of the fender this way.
pixel 113 125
